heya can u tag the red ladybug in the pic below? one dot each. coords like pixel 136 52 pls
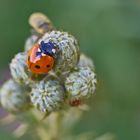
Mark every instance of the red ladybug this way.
pixel 41 58
pixel 75 103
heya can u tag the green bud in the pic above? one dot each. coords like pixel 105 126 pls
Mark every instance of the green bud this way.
pixel 14 97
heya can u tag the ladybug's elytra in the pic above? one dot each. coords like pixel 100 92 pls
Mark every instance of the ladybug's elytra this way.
pixel 41 57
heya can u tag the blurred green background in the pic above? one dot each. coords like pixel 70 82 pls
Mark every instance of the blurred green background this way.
pixel 109 32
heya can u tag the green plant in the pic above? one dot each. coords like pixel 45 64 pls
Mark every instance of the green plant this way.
pixel 49 105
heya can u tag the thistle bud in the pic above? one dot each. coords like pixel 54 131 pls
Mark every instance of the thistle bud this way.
pixel 47 95
pixel 19 69
pixel 14 97
pixel 81 83
pixel 67 51
pixel 40 22
pixel 86 62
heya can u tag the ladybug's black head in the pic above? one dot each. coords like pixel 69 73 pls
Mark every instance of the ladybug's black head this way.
pixel 48 48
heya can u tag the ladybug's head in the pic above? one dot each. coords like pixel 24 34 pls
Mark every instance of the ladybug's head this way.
pixel 48 48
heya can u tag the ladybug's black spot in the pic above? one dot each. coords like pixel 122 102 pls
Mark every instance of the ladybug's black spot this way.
pixel 48 66
pixel 37 66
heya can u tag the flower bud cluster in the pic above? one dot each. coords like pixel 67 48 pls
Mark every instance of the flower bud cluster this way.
pixel 71 79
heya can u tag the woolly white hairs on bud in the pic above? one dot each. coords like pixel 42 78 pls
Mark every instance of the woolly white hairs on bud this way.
pixel 47 95
pixel 68 51
pixel 13 97
pixel 81 83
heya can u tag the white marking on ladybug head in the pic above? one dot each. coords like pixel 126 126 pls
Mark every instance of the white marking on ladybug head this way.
pixel 43 54
pixel 54 51
pixel 39 50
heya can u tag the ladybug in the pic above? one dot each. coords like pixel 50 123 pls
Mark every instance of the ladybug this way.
pixel 75 103
pixel 41 57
